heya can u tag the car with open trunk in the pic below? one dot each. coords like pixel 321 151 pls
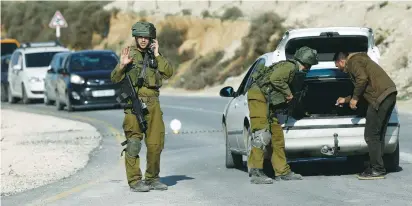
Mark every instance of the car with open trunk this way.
pixel 322 129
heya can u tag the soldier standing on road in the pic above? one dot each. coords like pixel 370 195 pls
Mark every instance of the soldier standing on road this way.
pixel 378 89
pixel 270 90
pixel 132 60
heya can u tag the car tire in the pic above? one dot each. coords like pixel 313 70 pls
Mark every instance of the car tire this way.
pixel 25 98
pixel 391 161
pixel 69 104
pixel 10 98
pixel 4 90
pixel 232 160
pixel 59 105
pixel 46 99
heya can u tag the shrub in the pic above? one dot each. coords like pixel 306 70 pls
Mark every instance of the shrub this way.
pixel 232 13
pixel 170 40
pixel 201 72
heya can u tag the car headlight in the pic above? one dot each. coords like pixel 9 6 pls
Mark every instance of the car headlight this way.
pixel 34 79
pixel 76 79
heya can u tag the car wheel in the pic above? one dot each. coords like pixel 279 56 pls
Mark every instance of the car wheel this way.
pixel 59 105
pixel 232 160
pixel 69 104
pixel 4 95
pixel 46 99
pixel 11 99
pixel 26 99
pixel 391 161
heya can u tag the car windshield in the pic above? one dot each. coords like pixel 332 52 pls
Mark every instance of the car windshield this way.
pixel 93 61
pixel 7 48
pixel 42 59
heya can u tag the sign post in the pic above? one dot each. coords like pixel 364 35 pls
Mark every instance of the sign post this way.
pixel 58 22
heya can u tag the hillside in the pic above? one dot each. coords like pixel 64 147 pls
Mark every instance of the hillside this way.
pixel 389 20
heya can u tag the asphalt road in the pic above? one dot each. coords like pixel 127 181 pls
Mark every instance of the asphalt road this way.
pixel 192 165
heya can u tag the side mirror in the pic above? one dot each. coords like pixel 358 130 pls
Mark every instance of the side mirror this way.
pixel 17 67
pixel 62 71
pixel 227 92
pixel 50 71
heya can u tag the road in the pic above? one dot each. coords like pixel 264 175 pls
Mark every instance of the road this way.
pixel 193 166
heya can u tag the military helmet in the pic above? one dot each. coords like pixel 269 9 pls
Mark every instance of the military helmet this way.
pixel 306 55
pixel 144 29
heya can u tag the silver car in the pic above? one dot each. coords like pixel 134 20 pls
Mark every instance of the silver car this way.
pixel 326 130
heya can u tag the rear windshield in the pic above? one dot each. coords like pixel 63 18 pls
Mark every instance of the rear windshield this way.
pixel 8 48
pixel 42 59
pixel 328 46
pixel 93 61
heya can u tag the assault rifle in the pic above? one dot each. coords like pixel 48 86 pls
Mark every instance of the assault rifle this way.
pixel 139 109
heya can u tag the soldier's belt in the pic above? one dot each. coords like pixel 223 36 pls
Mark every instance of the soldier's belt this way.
pixel 144 100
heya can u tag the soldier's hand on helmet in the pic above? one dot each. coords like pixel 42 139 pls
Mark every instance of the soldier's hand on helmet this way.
pixel 289 98
pixel 125 56
pixel 155 46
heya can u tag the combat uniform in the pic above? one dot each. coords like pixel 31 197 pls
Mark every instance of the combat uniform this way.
pixel 149 94
pixel 266 96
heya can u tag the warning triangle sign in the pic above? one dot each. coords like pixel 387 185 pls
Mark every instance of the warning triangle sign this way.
pixel 58 21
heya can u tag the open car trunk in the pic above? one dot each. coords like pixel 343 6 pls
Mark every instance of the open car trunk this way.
pixel 323 87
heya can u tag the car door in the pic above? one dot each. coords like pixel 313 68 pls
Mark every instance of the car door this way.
pixel 61 79
pixel 15 76
pixel 241 106
pixel 48 80
pixel 235 115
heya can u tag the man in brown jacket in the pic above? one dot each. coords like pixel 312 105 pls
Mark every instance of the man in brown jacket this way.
pixel 371 82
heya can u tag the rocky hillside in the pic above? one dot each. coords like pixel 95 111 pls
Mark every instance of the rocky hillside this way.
pixel 212 46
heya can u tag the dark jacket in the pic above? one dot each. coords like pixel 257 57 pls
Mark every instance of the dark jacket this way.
pixel 369 78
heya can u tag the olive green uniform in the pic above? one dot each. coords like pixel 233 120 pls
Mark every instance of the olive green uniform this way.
pixel 262 116
pixel 267 95
pixel 149 94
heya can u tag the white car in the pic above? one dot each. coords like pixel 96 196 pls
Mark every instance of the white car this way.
pixel 328 131
pixel 27 69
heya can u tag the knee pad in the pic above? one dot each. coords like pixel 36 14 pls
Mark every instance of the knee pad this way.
pixel 133 147
pixel 261 138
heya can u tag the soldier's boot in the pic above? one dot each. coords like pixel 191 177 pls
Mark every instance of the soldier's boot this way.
pixel 258 177
pixel 289 176
pixel 140 186
pixel 156 185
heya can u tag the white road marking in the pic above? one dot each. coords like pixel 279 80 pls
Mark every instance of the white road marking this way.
pixel 191 109
pixel 406 156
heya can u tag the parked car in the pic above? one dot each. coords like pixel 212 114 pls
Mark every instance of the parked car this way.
pixel 325 130
pixel 27 69
pixel 50 81
pixel 84 80
pixel 8 45
pixel 4 70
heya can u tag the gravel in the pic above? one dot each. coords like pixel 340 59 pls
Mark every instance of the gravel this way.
pixel 40 149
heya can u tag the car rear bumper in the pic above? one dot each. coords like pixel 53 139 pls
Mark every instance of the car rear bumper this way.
pixel 348 145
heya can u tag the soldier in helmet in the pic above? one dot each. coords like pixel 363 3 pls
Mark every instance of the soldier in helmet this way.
pixel 143 62
pixel 269 92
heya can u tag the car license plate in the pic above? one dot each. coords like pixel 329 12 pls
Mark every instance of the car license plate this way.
pixel 103 93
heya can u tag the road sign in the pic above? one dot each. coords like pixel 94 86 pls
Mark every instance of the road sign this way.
pixel 58 21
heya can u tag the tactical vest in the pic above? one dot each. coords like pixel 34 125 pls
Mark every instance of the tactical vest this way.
pixel 262 79
pixel 144 72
